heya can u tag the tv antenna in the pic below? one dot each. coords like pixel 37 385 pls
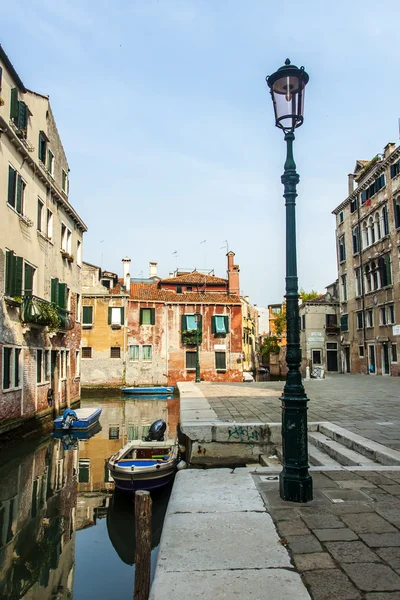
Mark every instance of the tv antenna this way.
pixel 226 245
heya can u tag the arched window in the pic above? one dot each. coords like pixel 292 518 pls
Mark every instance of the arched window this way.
pixel 365 237
pixel 371 230
pixel 377 226
pixel 375 276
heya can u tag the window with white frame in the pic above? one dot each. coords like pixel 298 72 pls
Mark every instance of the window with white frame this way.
pixel 16 191
pixel 358 282
pixel 361 351
pixel 360 320
pixel 40 210
pixel 390 315
pixel 342 248
pixel 11 368
pixel 394 353
pixel 46 365
pixel 50 162
pixel 147 352
pixel 77 363
pixel 66 238
pixel 49 224
pixel 369 317
pixel 78 308
pixel 116 315
pixel 79 253
pixel 343 281
pixel 64 181
pixel 382 315
pixel 316 357
pixel 133 352
pixel 356 239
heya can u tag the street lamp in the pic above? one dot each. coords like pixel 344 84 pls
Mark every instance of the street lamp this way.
pixel 287 90
pixel 197 318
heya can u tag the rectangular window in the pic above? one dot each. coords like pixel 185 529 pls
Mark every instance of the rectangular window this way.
pixel 147 316
pixel 115 315
pixel 395 169
pixel 50 162
pixel 394 353
pixel 79 253
pixel 78 308
pixel 64 181
pixel 385 220
pixel 42 146
pixel 343 280
pixel 370 317
pixel 7 367
pixel 385 270
pixel 316 357
pixel 354 205
pixel 396 209
pixel 344 325
pixel 360 320
pixel 133 352
pixel 390 314
pixel 358 282
pixel 62 364
pixel 66 239
pixel 115 352
pixel 220 324
pixel 46 365
pixel 84 470
pixel 341 217
pixel 87 315
pixel 113 432
pixel 39 366
pixel 361 351
pixel 220 361
pixel 356 239
pixel 382 315
pixel 303 321
pixel 87 352
pixel 276 311
pixel 16 190
pixel 147 352
pixel 77 363
pixel 342 249
pixel 190 360
pixel 49 224
pixel 40 215
pixel 330 320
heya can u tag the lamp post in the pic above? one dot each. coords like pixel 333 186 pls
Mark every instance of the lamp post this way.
pixel 295 484
pixel 197 318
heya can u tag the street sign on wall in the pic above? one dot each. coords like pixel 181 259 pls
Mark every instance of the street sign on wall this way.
pixel 396 329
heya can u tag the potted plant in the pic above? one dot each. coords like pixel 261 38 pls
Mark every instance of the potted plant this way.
pixel 1 102
pixel 70 258
pixel 64 253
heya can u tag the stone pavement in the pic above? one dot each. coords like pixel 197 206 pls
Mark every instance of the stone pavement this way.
pixel 346 542
pixel 367 405
pixel 219 540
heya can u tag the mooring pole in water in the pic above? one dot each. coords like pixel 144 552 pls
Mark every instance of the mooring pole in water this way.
pixel 143 504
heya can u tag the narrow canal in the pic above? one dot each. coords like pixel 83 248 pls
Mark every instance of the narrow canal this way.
pixel 64 532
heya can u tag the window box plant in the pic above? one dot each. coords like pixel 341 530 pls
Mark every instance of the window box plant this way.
pixel 70 258
pixel 64 253
pixel 1 102
pixel 13 301
pixel 189 337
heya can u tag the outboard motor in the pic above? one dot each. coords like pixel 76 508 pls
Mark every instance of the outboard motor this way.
pixel 156 431
pixel 69 417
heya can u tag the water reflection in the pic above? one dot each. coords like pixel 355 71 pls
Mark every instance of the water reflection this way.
pixel 61 526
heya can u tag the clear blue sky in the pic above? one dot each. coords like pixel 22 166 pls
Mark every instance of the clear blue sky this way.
pixel 168 127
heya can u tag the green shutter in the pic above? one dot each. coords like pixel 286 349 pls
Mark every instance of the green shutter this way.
pixel 14 105
pixel 226 319
pixel 122 315
pixel 11 186
pixel 200 325
pixel 87 315
pixel 62 295
pixel 18 206
pixel 220 361
pixel 18 276
pixel 152 316
pixel 10 267
pixel 28 283
pixel 54 290
pixel 184 323
pixel 109 314
pixel 22 115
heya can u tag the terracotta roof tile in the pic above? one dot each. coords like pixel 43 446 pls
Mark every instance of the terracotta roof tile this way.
pixel 196 277
pixel 151 293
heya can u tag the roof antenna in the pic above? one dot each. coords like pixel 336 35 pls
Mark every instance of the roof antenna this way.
pixel 226 245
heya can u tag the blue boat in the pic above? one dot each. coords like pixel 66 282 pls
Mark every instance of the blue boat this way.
pixel 79 419
pixel 143 397
pixel 70 438
pixel 155 391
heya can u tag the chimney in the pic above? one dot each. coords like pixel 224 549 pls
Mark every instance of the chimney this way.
pixel 170 275
pixel 152 270
pixel 127 276
pixel 388 149
pixel 233 275
pixel 351 183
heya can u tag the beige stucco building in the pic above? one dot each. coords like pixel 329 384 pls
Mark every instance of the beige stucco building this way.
pixel 368 252
pixel 40 259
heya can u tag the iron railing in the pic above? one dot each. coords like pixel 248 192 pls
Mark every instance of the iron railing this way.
pixel 38 311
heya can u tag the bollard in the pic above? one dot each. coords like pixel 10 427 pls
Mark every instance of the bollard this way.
pixel 143 504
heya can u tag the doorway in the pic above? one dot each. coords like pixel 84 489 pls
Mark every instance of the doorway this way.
pixel 371 360
pixel 385 360
pixel 331 356
pixel 346 359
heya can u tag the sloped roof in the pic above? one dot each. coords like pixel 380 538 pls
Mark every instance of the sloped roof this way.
pixel 195 277
pixel 152 293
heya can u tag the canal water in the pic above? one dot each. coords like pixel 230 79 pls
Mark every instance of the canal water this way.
pixel 64 532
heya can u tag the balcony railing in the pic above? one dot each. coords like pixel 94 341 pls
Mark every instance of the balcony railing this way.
pixel 37 311
pixel 332 329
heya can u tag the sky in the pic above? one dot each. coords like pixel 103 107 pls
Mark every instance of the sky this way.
pixel 168 126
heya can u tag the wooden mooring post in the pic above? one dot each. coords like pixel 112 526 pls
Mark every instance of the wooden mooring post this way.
pixel 143 504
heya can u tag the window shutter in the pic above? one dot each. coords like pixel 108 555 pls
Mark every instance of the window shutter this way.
pixel 184 324
pixel 18 206
pixel 109 314
pixel 200 325
pixel 385 220
pixel 54 290
pixel 392 171
pixel 22 115
pixel 87 315
pixel 28 283
pixel 152 316
pixel 18 276
pixel 122 315
pixel 213 325
pixel 14 105
pixel 10 267
pixel 62 295
pixel 11 186
pixel 226 319
pixel 388 270
pixel 363 196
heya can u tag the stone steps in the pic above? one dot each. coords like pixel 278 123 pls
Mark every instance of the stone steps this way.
pixel 337 451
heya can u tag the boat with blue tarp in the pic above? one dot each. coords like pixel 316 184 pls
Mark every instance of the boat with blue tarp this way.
pixel 155 391
pixel 78 419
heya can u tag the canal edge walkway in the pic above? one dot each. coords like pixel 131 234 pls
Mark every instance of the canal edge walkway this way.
pixel 219 541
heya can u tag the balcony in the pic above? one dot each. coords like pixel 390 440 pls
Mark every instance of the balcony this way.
pixel 37 311
pixel 332 329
